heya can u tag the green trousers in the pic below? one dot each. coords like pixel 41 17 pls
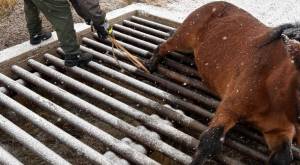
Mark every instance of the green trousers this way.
pixel 58 12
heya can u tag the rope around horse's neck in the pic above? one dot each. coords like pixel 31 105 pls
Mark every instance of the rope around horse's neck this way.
pixel 135 60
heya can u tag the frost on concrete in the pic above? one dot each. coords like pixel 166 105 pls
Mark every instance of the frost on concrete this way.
pixel 270 12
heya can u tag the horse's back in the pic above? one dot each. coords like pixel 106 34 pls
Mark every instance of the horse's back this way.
pixel 225 43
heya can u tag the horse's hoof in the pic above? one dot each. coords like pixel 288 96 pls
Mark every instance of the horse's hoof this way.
pixel 282 157
pixel 210 145
pixel 150 66
pixel 199 160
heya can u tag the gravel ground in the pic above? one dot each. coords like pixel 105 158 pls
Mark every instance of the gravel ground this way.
pixel 270 12
pixel 13 27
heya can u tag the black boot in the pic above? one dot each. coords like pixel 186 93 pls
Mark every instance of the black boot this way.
pixel 78 60
pixel 38 38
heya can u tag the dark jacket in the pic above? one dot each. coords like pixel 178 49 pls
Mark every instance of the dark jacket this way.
pixel 89 10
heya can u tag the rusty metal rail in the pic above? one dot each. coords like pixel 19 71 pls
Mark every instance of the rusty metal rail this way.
pixel 159 128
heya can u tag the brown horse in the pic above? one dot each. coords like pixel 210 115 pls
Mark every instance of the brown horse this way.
pixel 250 67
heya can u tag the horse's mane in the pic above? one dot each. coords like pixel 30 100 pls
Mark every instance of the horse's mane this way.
pixel 276 32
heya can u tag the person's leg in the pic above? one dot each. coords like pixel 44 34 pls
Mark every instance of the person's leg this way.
pixel 34 23
pixel 58 12
pixel 33 20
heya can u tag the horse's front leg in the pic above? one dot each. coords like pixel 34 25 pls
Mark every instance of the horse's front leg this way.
pixel 211 140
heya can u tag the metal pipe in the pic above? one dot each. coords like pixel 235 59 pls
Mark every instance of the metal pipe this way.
pixel 160 109
pixel 23 137
pixel 164 71
pixel 183 59
pixel 246 150
pixel 116 145
pixel 187 70
pixel 167 84
pixel 131 131
pixel 155 40
pixel 98 80
pixel 171 114
pixel 183 79
pixel 146 29
pixel 172 99
pixel 139 34
pixel 52 129
pixel 152 24
pixel 6 90
pixel 251 134
pixel 7 158
pixel 136 50
pixel 147 120
pixel 174 75
pixel 145 24
pixel 136 41
pixel 152 90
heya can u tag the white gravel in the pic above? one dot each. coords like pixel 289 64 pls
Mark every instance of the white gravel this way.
pixel 270 12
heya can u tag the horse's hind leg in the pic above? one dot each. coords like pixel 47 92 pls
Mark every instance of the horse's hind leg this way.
pixel 187 35
pixel 178 42
pixel 279 140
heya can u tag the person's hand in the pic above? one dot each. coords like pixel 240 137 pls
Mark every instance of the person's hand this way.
pixel 103 30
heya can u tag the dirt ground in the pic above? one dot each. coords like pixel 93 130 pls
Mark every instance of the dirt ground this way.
pixel 13 27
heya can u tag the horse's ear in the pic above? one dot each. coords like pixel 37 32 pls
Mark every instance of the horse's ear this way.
pixel 293 48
